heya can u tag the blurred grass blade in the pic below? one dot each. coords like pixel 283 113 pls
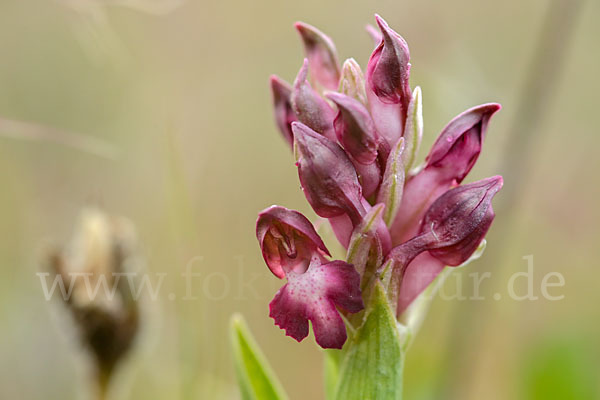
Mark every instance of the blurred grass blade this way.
pixel 373 365
pixel 331 367
pixel 560 368
pixel 35 132
pixel 256 379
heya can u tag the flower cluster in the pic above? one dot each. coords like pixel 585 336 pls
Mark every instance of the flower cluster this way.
pixel 356 138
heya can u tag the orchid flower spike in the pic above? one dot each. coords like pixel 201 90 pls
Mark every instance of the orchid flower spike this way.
pixel 355 136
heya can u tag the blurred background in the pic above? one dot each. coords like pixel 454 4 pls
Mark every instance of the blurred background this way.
pixel 160 111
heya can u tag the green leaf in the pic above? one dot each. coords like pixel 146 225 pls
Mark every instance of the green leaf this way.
pixel 372 368
pixel 256 378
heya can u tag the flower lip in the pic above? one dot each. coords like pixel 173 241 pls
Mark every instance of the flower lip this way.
pixel 287 238
pixel 314 296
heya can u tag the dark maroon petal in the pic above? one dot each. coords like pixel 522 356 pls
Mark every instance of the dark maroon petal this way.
pixel 313 296
pixel 458 146
pixel 327 176
pixel 321 54
pixel 282 106
pixel 311 109
pixel 287 239
pixel 354 128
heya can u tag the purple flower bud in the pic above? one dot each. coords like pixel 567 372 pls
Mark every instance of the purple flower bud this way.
pixel 313 296
pixel 282 105
pixel 321 54
pixel 327 176
pixel 287 239
pixel 459 220
pixel 311 109
pixel 451 158
pixel 388 89
pixel 451 230
pixel 458 146
pixel 354 128
pixel 454 225
pixel 374 33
